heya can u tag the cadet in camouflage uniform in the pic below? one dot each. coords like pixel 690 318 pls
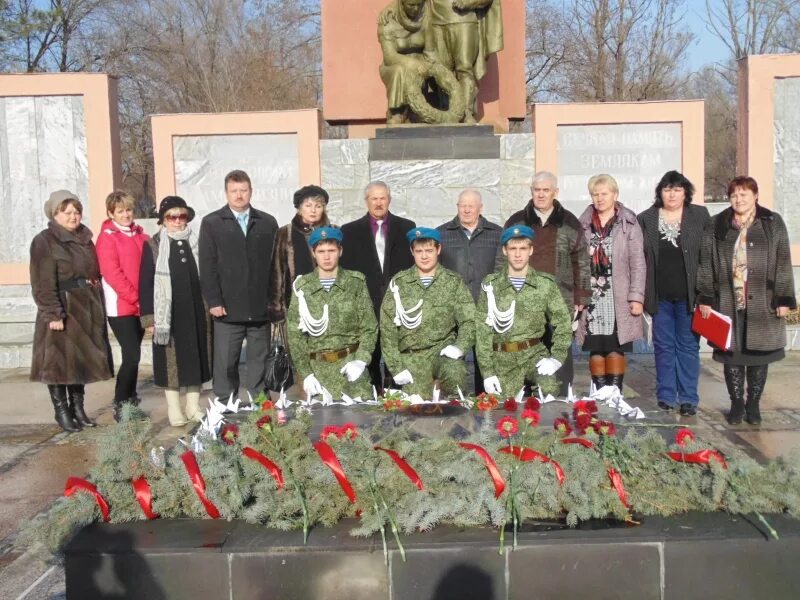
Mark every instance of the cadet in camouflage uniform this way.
pixel 514 306
pixel 424 337
pixel 331 323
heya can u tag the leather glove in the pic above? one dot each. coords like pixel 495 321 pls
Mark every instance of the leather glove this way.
pixel 353 370
pixel 548 366
pixel 403 377
pixel 451 352
pixel 312 386
pixel 492 385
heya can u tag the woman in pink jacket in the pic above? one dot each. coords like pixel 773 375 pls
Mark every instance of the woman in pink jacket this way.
pixel 119 250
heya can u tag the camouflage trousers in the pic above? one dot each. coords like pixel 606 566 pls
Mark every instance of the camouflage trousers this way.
pixel 428 365
pixel 515 369
pixel 336 383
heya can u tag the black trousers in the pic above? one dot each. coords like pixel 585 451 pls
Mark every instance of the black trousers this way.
pixel 129 333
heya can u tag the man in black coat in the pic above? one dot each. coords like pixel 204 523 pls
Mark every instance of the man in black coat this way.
pixel 376 246
pixel 470 244
pixel 236 245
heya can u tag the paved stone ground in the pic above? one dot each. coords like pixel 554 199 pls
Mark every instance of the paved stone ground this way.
pixel 36 457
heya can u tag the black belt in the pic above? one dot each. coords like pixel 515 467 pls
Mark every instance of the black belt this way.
pixel 78 283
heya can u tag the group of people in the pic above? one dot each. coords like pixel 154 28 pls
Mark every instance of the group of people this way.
pixel 383 302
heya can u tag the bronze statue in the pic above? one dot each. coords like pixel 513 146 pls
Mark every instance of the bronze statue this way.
pixel 434 54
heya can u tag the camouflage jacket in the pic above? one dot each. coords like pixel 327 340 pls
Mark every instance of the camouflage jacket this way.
pixel 538 303
pixel 350 313
pixel 448 316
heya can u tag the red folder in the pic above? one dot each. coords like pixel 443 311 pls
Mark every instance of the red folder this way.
pixel 717 328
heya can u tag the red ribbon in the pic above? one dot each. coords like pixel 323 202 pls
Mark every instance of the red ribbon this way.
pixel 331 461
pixel 616 483
pixel 491 466
pixel 404 467
pixel 527 455
pixel 702 458
pixel 270 466
pixel 582 441
pixel 75 484
pixel 144 496
pixel 199 484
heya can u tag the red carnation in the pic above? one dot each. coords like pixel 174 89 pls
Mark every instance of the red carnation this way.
pixel 510 405
pixel 532 403
pixel 454 402
pixel 264 421
pixel 588 407
pixel 267 405
pixel 605 428
pixel 507 426
pixel 328 431
pixel 683 436
pixel 348 430
pixel 229 433
pixel 531 417
pixel 562 426
pixel 582 422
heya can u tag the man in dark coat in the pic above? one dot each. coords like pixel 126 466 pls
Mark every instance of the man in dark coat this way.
pixel 376 246
pixel 560 249
pixel 236 245
pixel 469 246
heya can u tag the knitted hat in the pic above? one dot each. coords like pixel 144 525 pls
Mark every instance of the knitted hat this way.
pixel 55 200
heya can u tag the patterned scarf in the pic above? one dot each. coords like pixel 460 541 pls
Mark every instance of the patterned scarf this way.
pixel 162 296
pixel 740 259
pixel 601 265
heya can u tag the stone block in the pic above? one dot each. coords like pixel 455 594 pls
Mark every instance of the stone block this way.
pixel 434 148
pixel 517 171
pixel 338 177
pixel 465 573
pixel 330 152
pixel 428 206
pixel 399 174
pixel 9 356
pixel 517 146
pixel 513 198
pixel 354 152
pixel 470 173
pixel 16 333
pixel 787 152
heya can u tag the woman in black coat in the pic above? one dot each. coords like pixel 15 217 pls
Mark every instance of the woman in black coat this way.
pixel 673 233
pixel 173 309
pixel 70 343
pixel 746 274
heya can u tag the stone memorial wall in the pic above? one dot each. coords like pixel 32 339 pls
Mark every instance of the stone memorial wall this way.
pixel 787 153
pixel 636 155
pixel 202 161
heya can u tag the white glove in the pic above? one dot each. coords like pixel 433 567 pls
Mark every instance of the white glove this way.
pixel 403 377
pixel 451 352
pixel 492 385
pixel 312 386
pixel 353 370
pixel 548 366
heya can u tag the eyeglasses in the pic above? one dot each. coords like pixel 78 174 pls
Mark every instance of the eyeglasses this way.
pixel 177 218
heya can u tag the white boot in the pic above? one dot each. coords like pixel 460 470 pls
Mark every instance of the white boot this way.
pixel 174 412
pixel 193 411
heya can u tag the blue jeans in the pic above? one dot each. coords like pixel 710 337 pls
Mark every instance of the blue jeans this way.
pixel 677 355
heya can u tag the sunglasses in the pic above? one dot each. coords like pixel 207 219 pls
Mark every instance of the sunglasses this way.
pixel 177 218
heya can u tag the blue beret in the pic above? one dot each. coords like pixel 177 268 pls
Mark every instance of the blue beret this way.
pixel 322 234
pixel 516 232
pixel 424 233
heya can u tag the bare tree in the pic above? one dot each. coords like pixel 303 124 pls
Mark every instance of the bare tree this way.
pixel 627 49
pixel 750 26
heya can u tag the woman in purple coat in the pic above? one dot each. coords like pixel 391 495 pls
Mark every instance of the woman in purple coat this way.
pixel 613 319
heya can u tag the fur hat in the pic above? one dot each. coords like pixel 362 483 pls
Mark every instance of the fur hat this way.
pixel 170 202
pixel 309 191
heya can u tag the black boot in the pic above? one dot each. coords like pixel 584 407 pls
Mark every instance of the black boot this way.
pixel 75 394
pixel 615 379
pixel 756 380
pixel 58 396
pixel 136 400
pixel 734 380
pixel 118 404
pixel 598 381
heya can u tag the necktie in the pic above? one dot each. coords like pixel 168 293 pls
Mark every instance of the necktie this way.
pixel 242 218
pixel 380 242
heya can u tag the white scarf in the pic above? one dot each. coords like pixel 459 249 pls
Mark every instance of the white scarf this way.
pixel 162 297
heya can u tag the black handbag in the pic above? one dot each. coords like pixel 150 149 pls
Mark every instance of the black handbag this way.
pixel 279 374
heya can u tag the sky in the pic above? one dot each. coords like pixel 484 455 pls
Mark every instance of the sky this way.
pixel 707 47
